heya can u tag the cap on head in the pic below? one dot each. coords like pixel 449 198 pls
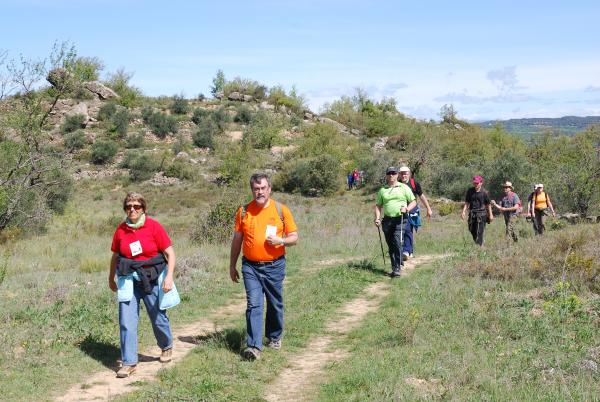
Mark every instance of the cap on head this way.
pixel 540 185
pixel 477 179
pixel 391 169
pixel 404 169
pixel 508 184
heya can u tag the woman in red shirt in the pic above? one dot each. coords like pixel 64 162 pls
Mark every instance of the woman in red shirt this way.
pixel 142 249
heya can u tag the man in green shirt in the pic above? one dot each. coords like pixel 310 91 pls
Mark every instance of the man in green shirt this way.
pixel 394 200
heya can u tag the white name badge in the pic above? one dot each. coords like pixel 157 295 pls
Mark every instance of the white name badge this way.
pixel 136 248
pixel 271 231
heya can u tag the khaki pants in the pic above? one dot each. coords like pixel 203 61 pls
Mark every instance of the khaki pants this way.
pixel 511 227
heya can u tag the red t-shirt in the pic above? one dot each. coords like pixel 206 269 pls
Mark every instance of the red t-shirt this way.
pixel 140 244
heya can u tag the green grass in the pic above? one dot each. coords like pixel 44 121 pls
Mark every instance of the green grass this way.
pixel 464 323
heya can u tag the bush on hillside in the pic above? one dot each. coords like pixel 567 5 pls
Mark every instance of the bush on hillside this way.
pixel 221 118
pixel 73 123
pixel 200 114
pixel 237 164
pixel 180 169
pixel 103 151
pixel 215 225
pixel 141 166
pixel 180 105
pixel 129 95
pixel 317 176
pixel 264 131
pixel 160 123
pixel 244 115
pixel 75 140
pixel 204 136
pixel 135 140
pixel 107 111
pixel 180 144
pixel 119 123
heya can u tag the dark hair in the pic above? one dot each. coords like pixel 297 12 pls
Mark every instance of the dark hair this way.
pixel 258 177
pixel 133 196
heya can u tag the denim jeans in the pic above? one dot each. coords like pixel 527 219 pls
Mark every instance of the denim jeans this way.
pixel 263 280
pixel 394 237
pixel 408 238
pixel 129 313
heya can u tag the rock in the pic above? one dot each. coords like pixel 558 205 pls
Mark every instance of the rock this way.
pixel 98 174
pixel 572 218
pixel 80 108
pixel 380 144
pixel 355 131
pixel 247 98
pixel 183 156
pixel 264 105
pixel 591 219
pixel 587 365
pixel 331 122
pixel 160 179
pixel 279 151
pixel 308 116
pixel 458 126
pixel 101 90
pixel 235 96
pixel 220 95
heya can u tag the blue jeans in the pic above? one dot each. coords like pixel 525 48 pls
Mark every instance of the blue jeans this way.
pixel 263 280
pixel 394 237
pixel 408 238
pixel 129 313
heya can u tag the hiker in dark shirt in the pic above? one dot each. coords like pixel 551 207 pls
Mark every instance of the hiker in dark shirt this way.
pixel 477 201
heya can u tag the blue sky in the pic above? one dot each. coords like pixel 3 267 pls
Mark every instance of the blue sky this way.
pixel 495 59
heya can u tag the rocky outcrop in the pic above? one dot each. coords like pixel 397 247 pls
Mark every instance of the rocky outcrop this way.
pixel 80 108
pixel 331 122
pixel 160 179
pixel 99 89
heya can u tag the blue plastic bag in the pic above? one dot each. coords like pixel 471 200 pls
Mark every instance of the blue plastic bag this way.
pixel 169 299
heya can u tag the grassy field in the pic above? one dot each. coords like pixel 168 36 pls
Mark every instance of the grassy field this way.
pixel 503 323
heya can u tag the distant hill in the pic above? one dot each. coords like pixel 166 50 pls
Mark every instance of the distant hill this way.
pixel 567 125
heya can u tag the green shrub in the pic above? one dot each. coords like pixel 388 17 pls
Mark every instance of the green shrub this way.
pixel 119 123
pixel 317 176
pixel 447 208
pixel 73 123
pixel 237 163
pixel 243 115
pixel 134 140
pixel 397 142
pixel 141 166
pixel 103 151
pixel 180 169
pixel 199 115
pixel 221 118
pixel 557 224
pixel 180 144
pixel 161 124
pixel 147 113
pixel 204 137
pixel 264 130
pixel 75 140
pixel 180 105
pixel 107 111
pixel 215 225
pixel 129 95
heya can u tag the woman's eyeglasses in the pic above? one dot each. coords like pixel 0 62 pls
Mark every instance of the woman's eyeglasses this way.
pixel 137 207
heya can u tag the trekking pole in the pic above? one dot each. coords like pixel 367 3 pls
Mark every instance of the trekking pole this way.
pixel 381 243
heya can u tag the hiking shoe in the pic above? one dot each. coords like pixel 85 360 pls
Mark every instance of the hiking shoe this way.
pixel 126 371
pixel 395 272
pixel 405 256
pixel 274 343
pixel 166 355
pixel 251 353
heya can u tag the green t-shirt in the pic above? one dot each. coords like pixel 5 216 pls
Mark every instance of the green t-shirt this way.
pixel 394 198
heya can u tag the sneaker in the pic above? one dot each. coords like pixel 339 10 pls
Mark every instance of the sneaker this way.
pixel 395 272
pixel 166 355
pixel 405 256
pixel 274 343
pixel 126 371
pixel 251 353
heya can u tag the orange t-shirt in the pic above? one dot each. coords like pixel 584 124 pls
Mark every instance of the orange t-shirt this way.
pixel 540 201
pixel 254 228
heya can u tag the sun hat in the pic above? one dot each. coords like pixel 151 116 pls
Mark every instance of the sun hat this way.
pixel 477 179
pixel 508 184
pixel 540 185
pixel 404 169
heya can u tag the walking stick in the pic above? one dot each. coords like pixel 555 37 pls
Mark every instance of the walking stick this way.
pixel 381 243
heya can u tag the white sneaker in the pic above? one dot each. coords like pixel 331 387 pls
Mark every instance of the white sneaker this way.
pixel 405 256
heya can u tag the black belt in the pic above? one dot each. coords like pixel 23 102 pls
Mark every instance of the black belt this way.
pixel 261 263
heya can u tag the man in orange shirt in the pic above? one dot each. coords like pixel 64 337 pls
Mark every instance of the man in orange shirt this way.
pixel 263 229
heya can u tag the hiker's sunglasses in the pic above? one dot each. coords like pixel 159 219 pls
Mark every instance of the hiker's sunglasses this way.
pixel 137 207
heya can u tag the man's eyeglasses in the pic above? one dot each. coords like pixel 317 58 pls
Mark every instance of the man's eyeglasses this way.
pixel 137 207
pixel 391 173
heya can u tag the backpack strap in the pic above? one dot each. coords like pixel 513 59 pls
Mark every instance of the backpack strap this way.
pixel 412 184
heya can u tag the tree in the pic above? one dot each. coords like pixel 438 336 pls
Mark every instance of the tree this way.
pixel 33 182
pixel 218 83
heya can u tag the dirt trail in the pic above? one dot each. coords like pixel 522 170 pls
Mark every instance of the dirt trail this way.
pixel 104 385
pixel 299 380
